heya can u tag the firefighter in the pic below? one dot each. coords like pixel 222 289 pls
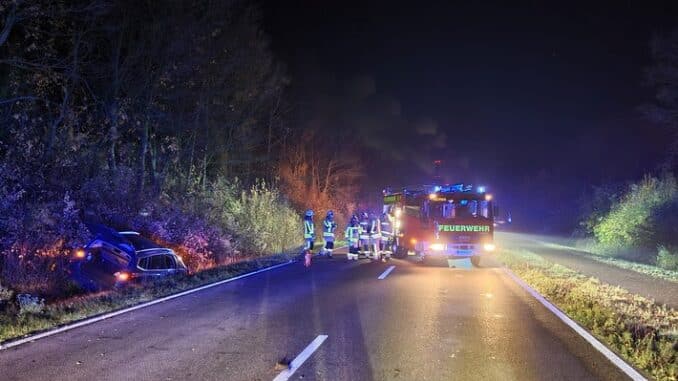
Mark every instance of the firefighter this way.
pixel 387 235
pixel 375 236
pixel 365 234
pixel 309 237
pixel 352 235
pixel 329 226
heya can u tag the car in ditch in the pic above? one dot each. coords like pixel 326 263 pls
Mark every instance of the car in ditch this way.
pixel 114 259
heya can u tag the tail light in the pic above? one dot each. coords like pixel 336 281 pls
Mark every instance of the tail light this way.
pixel 122 276
pixel 79 254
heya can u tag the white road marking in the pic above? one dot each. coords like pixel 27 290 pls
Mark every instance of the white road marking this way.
pixel 299 360
pixel 386 272
pixel 616 360
pixel 81 323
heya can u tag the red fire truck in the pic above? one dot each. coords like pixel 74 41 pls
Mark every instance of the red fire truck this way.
pixel 456 221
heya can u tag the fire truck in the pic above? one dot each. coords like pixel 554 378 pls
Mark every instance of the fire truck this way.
pixel 456 221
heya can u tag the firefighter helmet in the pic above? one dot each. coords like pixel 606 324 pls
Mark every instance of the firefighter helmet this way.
pixel 309 213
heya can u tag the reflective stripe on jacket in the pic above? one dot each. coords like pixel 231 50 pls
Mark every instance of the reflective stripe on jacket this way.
pixel 352 232
pixel 308 229
pixel 328 228
pixel 386 228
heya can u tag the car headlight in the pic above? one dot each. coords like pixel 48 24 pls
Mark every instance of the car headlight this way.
pixel 437 247
pixel 489 247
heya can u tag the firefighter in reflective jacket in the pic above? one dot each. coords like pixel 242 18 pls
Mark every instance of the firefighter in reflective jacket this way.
pixel 375 236
pixel 365 234
pixel 329 226
pixel 309 237
pixel 387 235
pixel 352 235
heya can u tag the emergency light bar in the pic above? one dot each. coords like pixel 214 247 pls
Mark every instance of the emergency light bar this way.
pixel 432 189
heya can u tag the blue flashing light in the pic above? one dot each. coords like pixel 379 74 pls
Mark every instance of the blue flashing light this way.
pixel 481 189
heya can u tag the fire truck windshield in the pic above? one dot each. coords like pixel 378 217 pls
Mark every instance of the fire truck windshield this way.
pixel 463 208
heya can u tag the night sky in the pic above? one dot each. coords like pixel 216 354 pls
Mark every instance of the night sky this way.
pixel 538 102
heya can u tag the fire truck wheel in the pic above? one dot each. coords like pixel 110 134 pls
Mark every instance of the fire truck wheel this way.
pixel 475 260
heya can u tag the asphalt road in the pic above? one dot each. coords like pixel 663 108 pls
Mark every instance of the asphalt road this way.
pixel 662 291
pixel 419 323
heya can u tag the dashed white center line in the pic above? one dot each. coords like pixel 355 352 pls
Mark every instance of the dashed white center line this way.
pixel 299 360
pixel 386 272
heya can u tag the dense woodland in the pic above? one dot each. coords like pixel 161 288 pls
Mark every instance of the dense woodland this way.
pixel 170 117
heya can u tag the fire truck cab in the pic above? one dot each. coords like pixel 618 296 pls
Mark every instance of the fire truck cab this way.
pixel 456 221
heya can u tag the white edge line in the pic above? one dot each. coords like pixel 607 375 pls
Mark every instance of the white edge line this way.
pixel 301 358
pixel 616 360
pixel 89 321
pixel 386 272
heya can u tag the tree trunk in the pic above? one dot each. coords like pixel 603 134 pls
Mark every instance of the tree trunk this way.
pixel 143 150
pixel 204 156
pixel 153 149
pixel 112 135
pixel 51 135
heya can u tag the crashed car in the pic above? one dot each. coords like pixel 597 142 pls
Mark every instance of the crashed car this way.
pixel 114 259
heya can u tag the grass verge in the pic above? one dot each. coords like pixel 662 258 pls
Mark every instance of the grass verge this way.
pixel 642 332
pixel 653 271
pixel 15 325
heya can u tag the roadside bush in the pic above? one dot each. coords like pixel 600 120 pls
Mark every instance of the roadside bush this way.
pixel 640 220
pixel 667 259
pixel 263 220
pixel 595 205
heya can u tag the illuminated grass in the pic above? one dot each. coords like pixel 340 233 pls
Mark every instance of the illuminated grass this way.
pixel 15 325
pixel 641 331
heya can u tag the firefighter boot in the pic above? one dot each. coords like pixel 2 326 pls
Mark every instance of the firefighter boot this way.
pixel 376 254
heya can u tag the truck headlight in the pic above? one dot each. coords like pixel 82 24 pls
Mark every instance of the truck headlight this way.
pixel 489 247
pixel 437 247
